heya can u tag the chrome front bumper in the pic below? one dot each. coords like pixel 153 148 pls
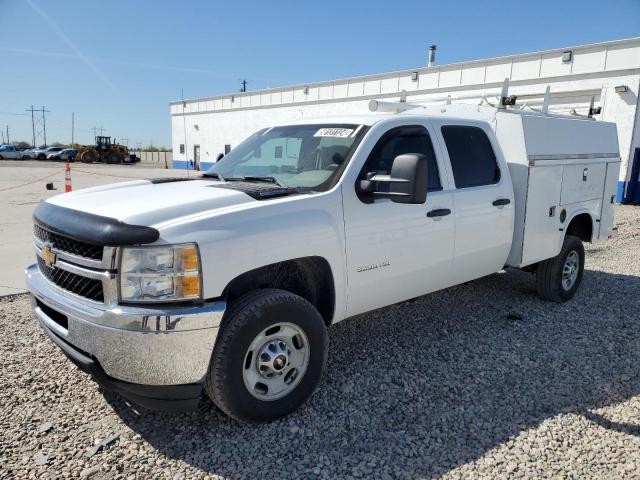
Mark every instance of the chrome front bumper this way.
pixel 159 346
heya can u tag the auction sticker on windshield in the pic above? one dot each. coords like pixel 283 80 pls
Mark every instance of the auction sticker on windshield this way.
pixel 334 132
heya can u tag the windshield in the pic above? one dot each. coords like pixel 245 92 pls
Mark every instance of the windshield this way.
pixel 299 156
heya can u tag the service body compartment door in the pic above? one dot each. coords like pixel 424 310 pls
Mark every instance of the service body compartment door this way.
pixel 582 182
pixel 608 198
pixel 541 225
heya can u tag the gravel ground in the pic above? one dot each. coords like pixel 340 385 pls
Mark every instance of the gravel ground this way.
pixel 481 381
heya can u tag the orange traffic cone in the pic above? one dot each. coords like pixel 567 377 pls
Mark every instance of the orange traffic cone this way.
pixel 67 178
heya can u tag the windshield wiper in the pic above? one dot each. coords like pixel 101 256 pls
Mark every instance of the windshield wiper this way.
pixel 214 175
pixel 259 178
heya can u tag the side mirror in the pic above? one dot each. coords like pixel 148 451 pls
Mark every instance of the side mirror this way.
pixel 407 181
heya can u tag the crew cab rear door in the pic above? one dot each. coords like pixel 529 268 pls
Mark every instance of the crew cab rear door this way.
pixel 397 251
pixel 482 196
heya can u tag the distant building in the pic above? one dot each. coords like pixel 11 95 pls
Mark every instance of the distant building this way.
pixel 607 73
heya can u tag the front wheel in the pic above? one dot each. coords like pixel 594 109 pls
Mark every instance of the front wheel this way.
pixel 558 278
pixel 269 356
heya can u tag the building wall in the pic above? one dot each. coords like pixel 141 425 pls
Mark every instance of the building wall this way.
pixel 594 71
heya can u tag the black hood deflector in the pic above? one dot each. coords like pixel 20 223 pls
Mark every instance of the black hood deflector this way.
pixel 90 228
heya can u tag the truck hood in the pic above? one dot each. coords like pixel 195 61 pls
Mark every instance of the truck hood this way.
pixel 144 202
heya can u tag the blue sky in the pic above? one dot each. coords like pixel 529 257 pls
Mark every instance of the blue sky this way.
pixel 118 63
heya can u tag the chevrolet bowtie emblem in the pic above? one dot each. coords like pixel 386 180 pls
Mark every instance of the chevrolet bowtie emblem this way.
pixel 48 255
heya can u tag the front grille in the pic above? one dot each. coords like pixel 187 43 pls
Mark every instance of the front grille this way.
pixel 71 282
pixel 65 244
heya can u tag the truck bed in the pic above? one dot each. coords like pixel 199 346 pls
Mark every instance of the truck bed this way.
pixel 560 167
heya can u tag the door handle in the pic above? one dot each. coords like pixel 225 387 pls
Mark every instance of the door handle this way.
pixel 438 212
pixel 500 202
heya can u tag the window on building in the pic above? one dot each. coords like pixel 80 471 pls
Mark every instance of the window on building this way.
pixel 182 148
pixel 472 158
pixel 398 141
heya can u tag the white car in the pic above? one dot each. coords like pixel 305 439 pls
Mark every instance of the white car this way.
pixel 224 285
pixel 9 152
pixel 43 153
pixel 68 154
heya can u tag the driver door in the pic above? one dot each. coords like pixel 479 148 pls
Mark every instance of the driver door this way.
pixel 398 251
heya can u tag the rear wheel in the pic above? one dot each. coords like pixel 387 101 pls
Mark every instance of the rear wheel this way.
pixel 269 356
pixel 42 156
pixel 558 278
pixel 87 157
pixel 1 157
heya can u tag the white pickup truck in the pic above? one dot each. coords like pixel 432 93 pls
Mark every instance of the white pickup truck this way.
pixel 226 283
pixel 10 152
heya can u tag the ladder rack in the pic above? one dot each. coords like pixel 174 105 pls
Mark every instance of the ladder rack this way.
pixel 500 100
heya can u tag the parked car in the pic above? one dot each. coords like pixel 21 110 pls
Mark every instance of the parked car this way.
pixel 8 152
pixel 28 153
pixel 68 154
pixel 167 289
pixel 43 153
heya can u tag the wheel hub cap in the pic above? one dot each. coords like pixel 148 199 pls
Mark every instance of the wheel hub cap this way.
pixel 570 270
pixel 273 358
pixel 276 361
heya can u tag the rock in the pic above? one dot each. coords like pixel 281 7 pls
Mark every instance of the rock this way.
pixel 40 458
pixel 91 451
pixel 45 427
pixel 87 472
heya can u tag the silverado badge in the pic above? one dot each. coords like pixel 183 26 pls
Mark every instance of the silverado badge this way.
pixel 48 255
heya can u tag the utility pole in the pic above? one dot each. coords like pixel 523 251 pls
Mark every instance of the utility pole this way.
pixel 8 140
pixel 95 131
pixel 125 142
pixel 38 124
pixel 243 88
pixel 33 128
pixel 73 124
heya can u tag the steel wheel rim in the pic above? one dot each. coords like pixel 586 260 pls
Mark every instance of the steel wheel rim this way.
pixel 276 361
pixel 570 270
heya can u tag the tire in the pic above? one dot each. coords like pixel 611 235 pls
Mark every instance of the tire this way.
pixel 239 351
pixel 1 157
pixel 114 157
pixel 556 283
pixel 42 157
pixel 87 157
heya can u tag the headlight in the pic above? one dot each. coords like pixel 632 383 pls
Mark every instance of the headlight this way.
pixel 167 273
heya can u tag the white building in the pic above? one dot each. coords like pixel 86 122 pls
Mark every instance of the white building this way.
pixel 607 73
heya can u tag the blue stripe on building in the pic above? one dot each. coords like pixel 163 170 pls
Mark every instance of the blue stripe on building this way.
pixel 184 165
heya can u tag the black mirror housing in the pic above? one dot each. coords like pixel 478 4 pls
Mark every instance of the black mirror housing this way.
pixel 407 181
